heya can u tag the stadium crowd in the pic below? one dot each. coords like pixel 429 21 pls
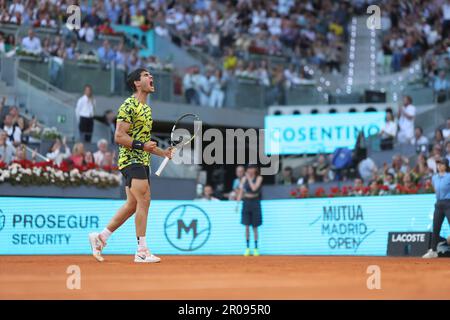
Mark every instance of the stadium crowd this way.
pixel 229 32
pixel 16 132
pixel 400 175
pixel 413 29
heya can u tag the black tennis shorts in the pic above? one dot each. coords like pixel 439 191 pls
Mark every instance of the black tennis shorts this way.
pixel 135 171
pixel 251 213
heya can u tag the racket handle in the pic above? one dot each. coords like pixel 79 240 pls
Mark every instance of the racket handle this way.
pixel 162 166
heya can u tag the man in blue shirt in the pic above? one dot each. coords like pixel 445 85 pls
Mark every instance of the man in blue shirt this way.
pixel 105 53
pixel 441 87
pixel 441 184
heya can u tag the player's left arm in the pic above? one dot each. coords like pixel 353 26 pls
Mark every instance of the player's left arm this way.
pixel 163 153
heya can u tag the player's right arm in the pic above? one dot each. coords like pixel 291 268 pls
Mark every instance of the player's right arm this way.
pixel 124 139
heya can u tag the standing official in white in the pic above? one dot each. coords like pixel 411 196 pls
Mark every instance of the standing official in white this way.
pixel 85 114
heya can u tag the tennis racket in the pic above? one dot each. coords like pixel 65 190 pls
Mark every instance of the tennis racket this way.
pixel 186 122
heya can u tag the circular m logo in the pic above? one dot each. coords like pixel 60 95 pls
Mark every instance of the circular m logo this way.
pixel 187 227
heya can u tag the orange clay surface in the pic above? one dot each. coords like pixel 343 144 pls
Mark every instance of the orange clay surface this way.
pixel 224 277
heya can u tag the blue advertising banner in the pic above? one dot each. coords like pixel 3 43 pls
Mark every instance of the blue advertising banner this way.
pixel 325 226
pixel 318 133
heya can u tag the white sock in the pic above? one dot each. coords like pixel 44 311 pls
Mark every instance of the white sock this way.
pixel 142 243
pixel 105 234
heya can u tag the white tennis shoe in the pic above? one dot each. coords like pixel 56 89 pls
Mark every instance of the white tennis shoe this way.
pixel 97 245
pixel 430 254
pixel 145 256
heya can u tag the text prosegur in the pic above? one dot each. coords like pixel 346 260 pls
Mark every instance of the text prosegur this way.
pixel 55 221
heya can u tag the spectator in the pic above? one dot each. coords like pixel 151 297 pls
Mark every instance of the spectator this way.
pixel 138 19
pixel 440 88
pixel 31 43
pixel 125 16
pixel 358 187
pixel 92 19
pixel 99 155
pixel 28 17
pixel 389 181
pixel 421 169
pixel 198 39
pixel 87 33
pixel 105 28
pixel 408 182
pixel 213 39
pixel 287 176
pixel 419 140
pixel 446 131
pixel 85 114
pixel 16 7
pixel 33 127
pixel 436 155
pixel 388 132
pixel 21 154
pixel 120 57
pixel 438 138
pixel 322 169
pixel 10 43
pixel 208 194
pixel 230 60
pixel 311 175
pixel 446 19
pixel 217 83
pixel 2 44
pixel 16 118
pixel 109 119
pixel 55 46
pixel 203 85
pixel 303 179
pixel 47 21
pixel 55 154
pixel 161 30
pixel 291 76
pixel 374 188
pixel 366 168
pixel 72 52
pixel 7 150
pixel 88 160
pixel 190 93
pixel 12 130
pixel 447 150
pixel 399 165
pixel 406 115
pixel 77 156
pixel 106 53
pixel 133 61
pixel 108 161
pixel 240 171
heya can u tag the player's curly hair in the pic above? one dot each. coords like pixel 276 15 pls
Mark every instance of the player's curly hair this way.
pixel 134 76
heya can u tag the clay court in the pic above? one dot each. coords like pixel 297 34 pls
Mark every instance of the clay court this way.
pixel 224 277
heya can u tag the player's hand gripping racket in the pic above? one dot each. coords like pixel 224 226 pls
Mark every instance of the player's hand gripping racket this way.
pixel 187 123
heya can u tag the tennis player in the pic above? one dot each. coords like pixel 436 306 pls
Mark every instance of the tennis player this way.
pixel 134 125
pixel 250 193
